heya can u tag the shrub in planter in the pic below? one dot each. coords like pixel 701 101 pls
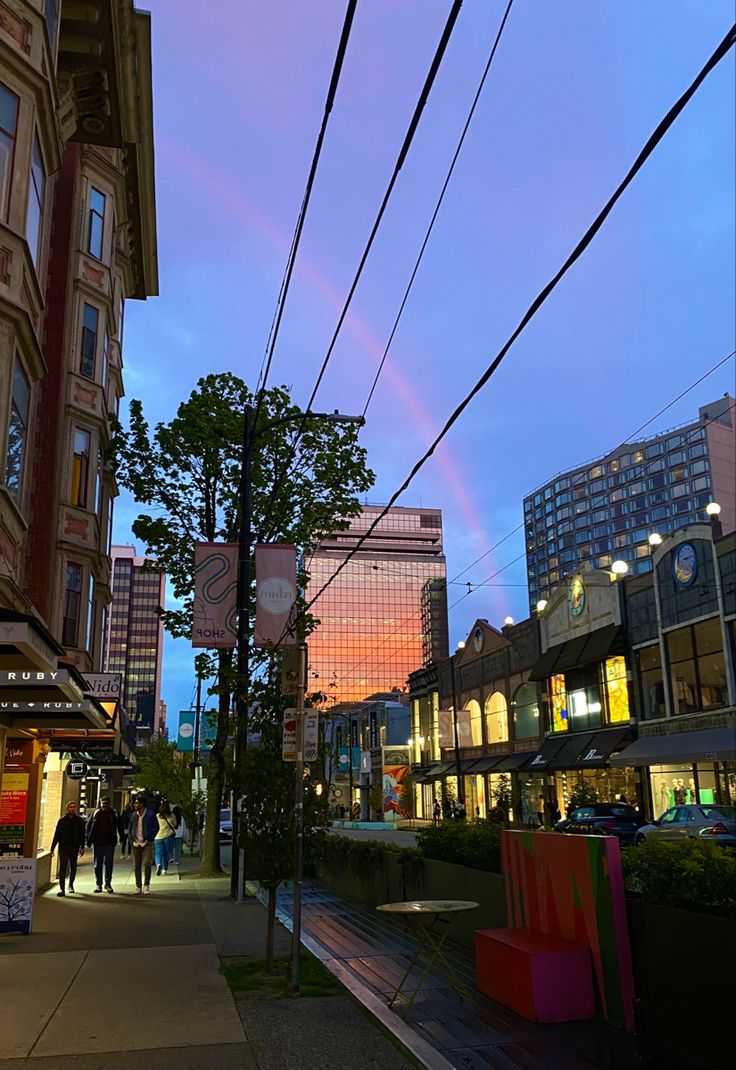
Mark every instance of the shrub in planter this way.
pixel 691 875
pixel 476 844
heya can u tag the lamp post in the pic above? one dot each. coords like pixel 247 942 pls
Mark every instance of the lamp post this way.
pixel 251 435
pixel 713 510
pixel 458 765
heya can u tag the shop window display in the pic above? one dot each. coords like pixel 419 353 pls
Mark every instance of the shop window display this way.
pixel 526 712
pixel 499 792
pixel 497 718
pixel 558 703
pixel 673 785
pixel 595 785
pixel 617 691
pixel 475 797
pixel 531 800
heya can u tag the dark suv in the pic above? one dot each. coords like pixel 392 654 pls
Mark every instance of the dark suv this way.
pixel 603 819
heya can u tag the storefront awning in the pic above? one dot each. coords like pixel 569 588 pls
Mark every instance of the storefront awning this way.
pixel 576 653
pixel 434 771
pixel 25 643
pixel 509 762
pixel 597 752
pixel 483 765
pixel 710 745
pixel 51 715
pixel 540 761
pixel 570 749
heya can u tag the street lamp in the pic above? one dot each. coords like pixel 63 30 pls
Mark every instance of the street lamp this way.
pixel 541 605
pixel 655 539
pixel 251 434
pixel 458 765
pixel 713 510
pixel 619 568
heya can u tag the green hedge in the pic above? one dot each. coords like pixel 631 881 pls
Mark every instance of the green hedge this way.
pixel 362 858
pixel 476 844
pixel 691 875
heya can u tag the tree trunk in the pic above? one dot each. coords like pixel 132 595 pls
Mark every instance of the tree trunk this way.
pixel 269 929
pixel 216 774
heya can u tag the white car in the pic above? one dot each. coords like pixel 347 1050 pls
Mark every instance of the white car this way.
pixel 707 821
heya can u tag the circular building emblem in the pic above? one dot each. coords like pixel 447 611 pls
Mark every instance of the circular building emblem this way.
pixel 575 596
pixel 478 640
pixel 685 565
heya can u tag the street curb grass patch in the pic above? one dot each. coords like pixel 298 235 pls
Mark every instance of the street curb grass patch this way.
pixel 249 978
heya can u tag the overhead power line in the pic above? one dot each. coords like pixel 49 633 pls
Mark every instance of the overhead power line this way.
pixel 440 199
pixel 722 50
pixel 291 260
pixel 409 137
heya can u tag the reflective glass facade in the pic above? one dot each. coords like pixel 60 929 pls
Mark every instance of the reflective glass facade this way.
pixel 135 637
pixel 605 510
pixel 371 634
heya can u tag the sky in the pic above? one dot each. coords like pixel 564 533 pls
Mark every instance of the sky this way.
pixel 575 90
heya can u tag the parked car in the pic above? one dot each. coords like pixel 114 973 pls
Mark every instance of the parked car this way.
pixel 603 819
pixel 709 821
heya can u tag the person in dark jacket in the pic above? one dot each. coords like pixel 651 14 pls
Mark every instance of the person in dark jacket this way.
pixel 142 830
pixel 69 838
pixel 126 844
pixel 102 835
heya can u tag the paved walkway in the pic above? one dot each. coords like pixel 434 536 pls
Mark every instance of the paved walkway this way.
pixel 68 989
pixel 372 951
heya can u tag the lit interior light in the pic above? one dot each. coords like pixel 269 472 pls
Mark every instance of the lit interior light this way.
pixel 541 605
pixel 619 568
pixel 712 508
pixel 655 539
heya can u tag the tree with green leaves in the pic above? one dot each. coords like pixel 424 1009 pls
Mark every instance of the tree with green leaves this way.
pixel 187 472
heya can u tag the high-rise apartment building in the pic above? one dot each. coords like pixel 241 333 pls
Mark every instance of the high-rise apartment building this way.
pixel 135 635
pixel 606 509
pixel 370 635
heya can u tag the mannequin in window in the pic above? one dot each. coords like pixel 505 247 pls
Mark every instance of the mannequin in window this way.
pixel 692 795
pixel 666 798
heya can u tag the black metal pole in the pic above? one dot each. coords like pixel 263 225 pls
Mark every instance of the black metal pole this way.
pixel 242 672
pixel 458 764
pixel 350 767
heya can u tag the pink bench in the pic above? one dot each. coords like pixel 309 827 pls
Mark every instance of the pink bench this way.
pixel 543 978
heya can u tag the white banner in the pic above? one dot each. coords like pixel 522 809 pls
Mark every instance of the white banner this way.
pixel 215 595
pixel 17 894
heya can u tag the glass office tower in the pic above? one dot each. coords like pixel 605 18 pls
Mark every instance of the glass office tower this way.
pixel 371 631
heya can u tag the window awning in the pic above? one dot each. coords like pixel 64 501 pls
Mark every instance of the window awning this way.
pixel 491 761
pixel 576 653
pixel 570 749
pixel 709 745
pixel 509 762
pixel 597 752
pixel 541 760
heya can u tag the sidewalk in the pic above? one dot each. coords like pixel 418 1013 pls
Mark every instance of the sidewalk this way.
pixel 68 989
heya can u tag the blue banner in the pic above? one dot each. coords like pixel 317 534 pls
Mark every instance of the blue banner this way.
pixel 185 738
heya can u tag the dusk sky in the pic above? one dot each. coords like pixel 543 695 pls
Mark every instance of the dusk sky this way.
pixel 575 91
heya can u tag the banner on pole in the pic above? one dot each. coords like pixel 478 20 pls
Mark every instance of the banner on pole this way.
pixel 185 739
pixel 214 613
pixel 275 595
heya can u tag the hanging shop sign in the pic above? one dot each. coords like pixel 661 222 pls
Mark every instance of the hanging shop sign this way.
pixel 103 685
pixel 214 611
pixel 373 729
pixel 185 737
pixel 76 770
pixel 26 685
pixel 275 595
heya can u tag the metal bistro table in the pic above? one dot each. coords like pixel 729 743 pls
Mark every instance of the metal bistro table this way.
pixel 432 919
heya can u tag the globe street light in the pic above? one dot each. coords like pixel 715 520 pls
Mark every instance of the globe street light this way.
pixel 619 568
pixel 655 539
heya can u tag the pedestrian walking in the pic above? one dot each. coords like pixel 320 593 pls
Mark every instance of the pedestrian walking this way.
pixel 69 837
pixel 102 835
pixel 142 829
pixel 436 813
pixel 460 811
pixel 180 834
pixel 126 843
pixel 164 842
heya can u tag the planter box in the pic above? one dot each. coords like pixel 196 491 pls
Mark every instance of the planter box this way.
pixel 683 970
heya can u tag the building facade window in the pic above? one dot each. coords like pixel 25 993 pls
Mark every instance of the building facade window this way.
pixel 96 223
pixel 697 667
pixel 617 690
pixel 526 712
pixel 89 635
pixel 72 604
pixel 651 682
pixel 36 199
pixel 497 718
pixel 80 466
pixel 473 734
pixel 8 130
pixel 90 328
pixel 20 404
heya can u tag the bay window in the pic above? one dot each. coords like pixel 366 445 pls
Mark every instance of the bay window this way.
pixel 20 404
pixel 8 130
pixel 36 198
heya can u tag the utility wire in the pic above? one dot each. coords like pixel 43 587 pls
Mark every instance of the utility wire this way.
pixel 722 50
pixel 409 137
pixel 560 529
pixel 440 199
pixel 285 282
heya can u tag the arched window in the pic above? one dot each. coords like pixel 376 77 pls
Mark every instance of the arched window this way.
pixel 526 712
pixel 497 718
pixel 470 728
